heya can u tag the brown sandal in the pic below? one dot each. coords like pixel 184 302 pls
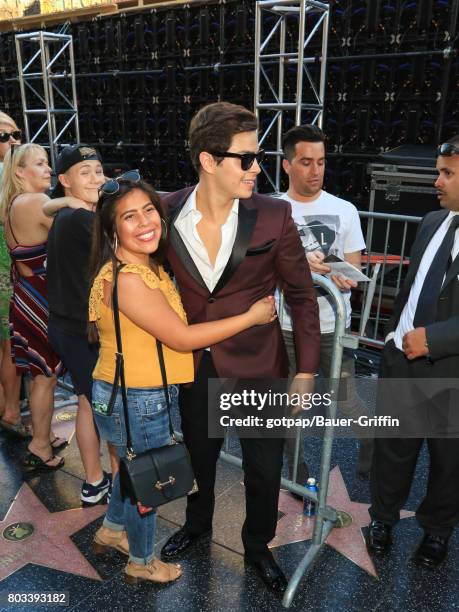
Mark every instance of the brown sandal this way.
pixel 155 571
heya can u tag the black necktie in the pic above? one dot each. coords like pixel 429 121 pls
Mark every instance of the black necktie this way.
pixel 426 309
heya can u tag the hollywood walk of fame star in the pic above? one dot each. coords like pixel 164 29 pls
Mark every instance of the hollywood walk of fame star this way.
pixel 349 541
pixel 30 533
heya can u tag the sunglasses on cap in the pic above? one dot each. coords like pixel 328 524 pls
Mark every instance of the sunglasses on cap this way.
pixel 113 185
pixel 247 159
pixel 5 136
pixel 447 149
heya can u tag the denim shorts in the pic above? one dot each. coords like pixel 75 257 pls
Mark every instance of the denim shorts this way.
pixel 148 416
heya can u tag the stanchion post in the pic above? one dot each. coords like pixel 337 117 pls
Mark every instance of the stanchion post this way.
pixel 325 515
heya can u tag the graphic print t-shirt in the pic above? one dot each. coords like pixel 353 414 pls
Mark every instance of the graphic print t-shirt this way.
pixel 330 225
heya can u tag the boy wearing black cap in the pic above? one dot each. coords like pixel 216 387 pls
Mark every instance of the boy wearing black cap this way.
pixel 80 175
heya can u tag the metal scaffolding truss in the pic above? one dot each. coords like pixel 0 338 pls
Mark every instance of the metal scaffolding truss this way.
pixel 291 38
pixel 46 72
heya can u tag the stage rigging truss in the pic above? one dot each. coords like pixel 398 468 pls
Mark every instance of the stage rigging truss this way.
pixel 291 39
pixel 46 71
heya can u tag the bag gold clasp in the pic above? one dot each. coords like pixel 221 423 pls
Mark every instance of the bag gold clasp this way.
pixel 130 454
pixel 161 485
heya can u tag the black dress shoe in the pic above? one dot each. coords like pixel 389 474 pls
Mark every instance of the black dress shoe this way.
pixel 179 542
pixel 379 539
pixel 269 572
pixel 432 550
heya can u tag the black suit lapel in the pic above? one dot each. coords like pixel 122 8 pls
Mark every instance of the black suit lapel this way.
pixel 180 247
pixel 247 217
pixel 452 272
pixel 422 240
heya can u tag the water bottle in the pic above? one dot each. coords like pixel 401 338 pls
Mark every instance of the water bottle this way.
pixel 309 506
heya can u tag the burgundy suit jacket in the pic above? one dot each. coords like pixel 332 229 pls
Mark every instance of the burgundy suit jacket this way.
pixel 267 252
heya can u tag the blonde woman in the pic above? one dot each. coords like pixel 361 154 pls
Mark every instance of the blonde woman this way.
pixel 26 178
pixel 10 381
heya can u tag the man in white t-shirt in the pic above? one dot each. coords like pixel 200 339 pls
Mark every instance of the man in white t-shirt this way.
pixel 327 226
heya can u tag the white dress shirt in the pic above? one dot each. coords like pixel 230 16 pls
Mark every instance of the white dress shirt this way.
pixel 405 323
pixel 186 223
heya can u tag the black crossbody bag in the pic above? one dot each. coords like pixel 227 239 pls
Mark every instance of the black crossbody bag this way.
pixel 158 475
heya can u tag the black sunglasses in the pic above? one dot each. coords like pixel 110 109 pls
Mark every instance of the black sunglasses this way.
pixel 447 149
pixel 113 185
pixel 247 159
pixel 5 136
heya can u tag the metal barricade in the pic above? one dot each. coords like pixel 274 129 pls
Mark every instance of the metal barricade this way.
pixel 326 516
pixel 385 266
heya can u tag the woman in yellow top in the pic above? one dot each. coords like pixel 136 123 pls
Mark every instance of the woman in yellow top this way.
pixel 130 228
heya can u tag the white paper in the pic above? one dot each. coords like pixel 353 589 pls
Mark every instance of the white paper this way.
pixel 346 269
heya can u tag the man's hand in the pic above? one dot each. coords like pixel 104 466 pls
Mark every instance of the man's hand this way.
pixel 414 343
pixel 315 260
pixel 343 283
pixel 302 384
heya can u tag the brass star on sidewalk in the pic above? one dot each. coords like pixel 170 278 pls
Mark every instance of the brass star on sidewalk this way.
pixel 349 541
pixel 30 533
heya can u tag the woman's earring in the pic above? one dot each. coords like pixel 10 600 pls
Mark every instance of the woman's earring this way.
pixel 115 242
pixel 164 224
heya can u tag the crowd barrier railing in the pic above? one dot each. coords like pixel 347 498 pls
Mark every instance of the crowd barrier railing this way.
pixel 388 240
pixel 326 517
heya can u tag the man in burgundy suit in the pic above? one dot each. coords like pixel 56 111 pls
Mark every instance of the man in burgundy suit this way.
pixel 228 248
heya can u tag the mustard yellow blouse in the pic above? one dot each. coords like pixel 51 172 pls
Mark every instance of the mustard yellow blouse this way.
pixel 141 363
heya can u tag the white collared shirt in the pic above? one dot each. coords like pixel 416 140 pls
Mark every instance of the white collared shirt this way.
pixel 405 323
pixel 186 223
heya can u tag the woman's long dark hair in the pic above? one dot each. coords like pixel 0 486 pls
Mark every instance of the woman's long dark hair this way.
pixel 103 237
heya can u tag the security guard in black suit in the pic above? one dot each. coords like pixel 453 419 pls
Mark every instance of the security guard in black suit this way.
pixel 422 344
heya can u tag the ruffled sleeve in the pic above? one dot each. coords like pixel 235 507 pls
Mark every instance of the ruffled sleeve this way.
pixel 147 275
pixel 97 291
pixel 106 274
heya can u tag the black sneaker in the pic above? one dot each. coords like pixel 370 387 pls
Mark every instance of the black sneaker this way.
pixel 92 495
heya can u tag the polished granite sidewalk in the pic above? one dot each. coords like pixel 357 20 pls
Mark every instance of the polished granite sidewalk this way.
pixel 45 545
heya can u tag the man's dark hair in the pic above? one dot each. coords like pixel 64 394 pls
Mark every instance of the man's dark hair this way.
pixel 213 128
pixel 300 133
pixel 454 140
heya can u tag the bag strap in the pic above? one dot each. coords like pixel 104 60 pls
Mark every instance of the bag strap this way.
pixel 119 368
pixel 162 367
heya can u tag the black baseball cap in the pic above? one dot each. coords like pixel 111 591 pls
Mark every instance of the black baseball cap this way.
pixel 68 157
